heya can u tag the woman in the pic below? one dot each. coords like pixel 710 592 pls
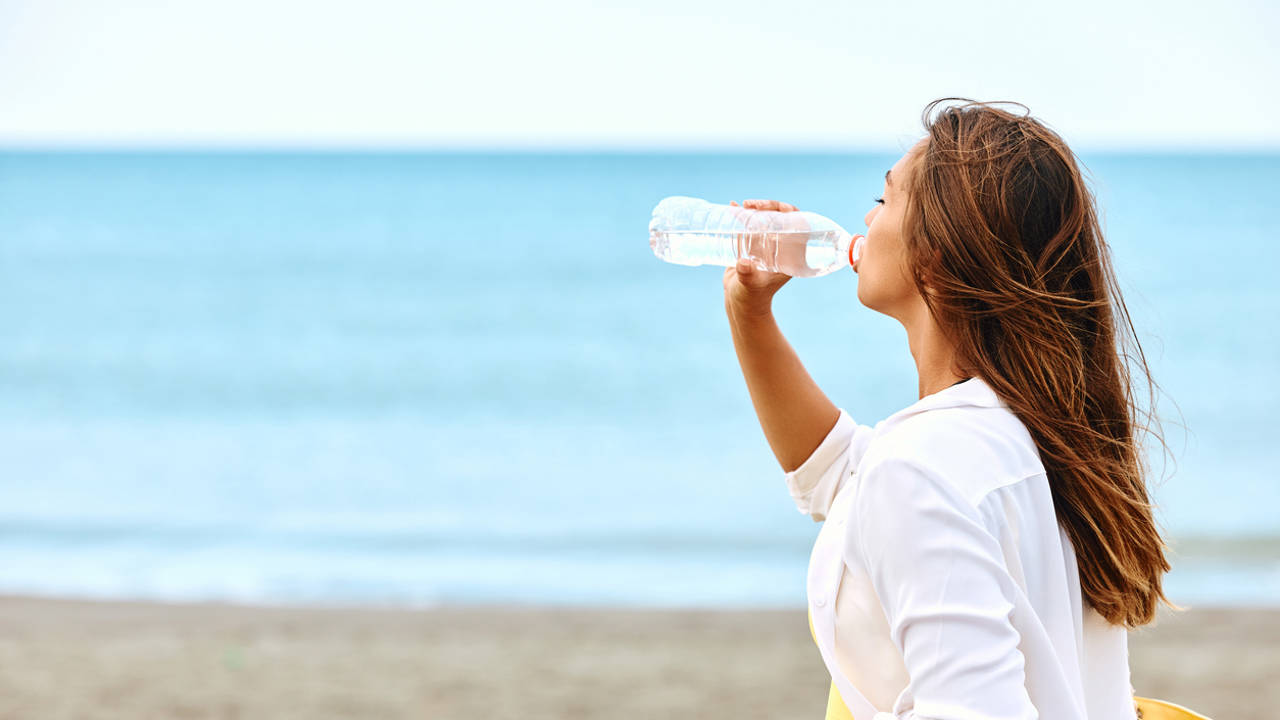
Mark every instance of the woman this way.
pixel 986 549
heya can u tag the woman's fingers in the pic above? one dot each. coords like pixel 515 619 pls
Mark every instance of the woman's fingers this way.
pixel 768 205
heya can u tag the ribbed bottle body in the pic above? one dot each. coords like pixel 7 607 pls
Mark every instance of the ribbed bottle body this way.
pixel 690 231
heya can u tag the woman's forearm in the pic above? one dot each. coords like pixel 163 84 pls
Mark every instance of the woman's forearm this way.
pixel 794 412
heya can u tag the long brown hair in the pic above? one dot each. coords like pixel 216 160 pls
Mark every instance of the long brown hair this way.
pixel 1005 246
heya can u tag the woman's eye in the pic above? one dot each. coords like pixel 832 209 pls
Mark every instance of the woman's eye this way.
pixel 879 200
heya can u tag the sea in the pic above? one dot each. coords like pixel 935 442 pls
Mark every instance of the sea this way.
pixel 439 378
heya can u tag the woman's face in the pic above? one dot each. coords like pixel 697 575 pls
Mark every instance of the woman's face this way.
pixel 884 283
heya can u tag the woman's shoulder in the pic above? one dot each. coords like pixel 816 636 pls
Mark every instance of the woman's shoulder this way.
pixel 973 449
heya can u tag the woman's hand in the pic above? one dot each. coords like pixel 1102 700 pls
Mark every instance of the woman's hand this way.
pixel 748 291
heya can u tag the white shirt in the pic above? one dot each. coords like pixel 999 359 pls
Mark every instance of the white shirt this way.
pixel 941 584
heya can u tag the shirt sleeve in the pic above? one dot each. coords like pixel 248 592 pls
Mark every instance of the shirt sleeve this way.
pixel 815 483
pixel 947 595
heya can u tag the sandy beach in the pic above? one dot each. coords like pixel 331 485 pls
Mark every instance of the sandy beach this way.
pixel 78 659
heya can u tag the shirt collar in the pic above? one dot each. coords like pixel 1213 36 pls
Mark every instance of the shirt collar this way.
pixel 974 392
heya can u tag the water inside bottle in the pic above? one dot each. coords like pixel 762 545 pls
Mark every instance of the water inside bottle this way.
pixel 698 247
pixel 707 247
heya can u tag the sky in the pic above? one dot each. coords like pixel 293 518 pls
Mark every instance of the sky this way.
pixel 745 74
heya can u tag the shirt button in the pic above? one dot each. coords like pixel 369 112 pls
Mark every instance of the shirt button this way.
pixel 820 602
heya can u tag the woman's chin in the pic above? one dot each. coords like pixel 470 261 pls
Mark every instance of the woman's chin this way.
pixel 865 296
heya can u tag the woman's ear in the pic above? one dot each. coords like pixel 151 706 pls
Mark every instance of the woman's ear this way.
pixel 925 280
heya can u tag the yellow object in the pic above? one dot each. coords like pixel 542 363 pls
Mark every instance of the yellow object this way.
pixel 836 709
pixel 1148 709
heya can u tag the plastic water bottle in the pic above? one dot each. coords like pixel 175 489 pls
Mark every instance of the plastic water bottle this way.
pixel 690 231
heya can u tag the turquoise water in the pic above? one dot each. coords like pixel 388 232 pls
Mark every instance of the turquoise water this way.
pixel 446 378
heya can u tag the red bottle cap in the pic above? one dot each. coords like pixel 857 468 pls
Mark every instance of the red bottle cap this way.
pixel 853 243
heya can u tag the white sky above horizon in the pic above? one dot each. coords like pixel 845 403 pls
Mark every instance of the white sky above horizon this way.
pixel 661 74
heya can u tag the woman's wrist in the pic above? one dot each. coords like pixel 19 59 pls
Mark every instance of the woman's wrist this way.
pixel 744 313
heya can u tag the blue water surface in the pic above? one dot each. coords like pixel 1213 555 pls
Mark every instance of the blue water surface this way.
pixel 400 378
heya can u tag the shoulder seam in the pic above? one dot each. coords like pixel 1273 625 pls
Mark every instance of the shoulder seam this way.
pixel 987 493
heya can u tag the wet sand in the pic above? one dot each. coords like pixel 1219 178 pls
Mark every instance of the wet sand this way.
pixel 78 659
